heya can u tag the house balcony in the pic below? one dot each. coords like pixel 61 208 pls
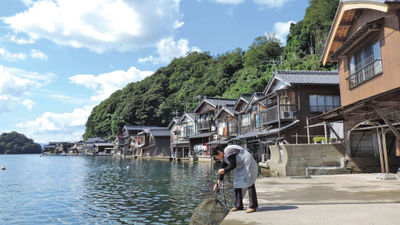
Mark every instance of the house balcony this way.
pixel 226 132
pixel 183 138
pixel 273 115
pixel 245 129
pixel 365 74
pixel 203 126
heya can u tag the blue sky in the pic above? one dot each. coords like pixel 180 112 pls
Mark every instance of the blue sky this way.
pixel 60 58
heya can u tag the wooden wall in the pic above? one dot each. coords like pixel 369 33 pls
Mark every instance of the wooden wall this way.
pixel 389 37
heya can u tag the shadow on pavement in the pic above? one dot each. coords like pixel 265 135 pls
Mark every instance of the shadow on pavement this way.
pixel 274 208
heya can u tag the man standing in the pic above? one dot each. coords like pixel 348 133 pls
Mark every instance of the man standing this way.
pixel 245 168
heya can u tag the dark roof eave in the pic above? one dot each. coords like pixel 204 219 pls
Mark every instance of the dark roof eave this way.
pixel 360 34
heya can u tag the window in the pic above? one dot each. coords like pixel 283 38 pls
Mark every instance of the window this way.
pixel 222 128
pixel 365 64
pixel 323 103
pixel 257 119
pixel 245 119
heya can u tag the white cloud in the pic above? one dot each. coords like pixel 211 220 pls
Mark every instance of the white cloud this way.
pixel 99 25
pixel 71 125
pixel 28 2
pixel 37 54
pixel 11 56
pixel 282 29
pixel 28 104
pixel 106 84
pixel 57 126
pixel 271 3
pixel 16 84
pixel 168 49
pixel 20 40
pixel 231 2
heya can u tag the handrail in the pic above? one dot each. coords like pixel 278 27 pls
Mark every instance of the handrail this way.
pixel 352 78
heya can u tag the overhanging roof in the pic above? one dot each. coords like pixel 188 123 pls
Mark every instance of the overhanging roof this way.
pixel 214 102
pixel 382 100
pixel 189 115
pixel 201 135
pixel 277 130
pixel 359 35
pixel 343 20
pixel 304 77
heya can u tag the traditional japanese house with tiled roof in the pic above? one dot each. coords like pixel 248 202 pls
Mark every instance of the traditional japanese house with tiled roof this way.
pixel 129 133
pixel 89 144
pixel 249 122
pixel 181 130
pixel 154 142
pixel 365 41
pixel 226 125
pixel 206 130
pixel 291 97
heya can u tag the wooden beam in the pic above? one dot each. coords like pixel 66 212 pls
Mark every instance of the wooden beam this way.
pixel 387 121
pixel 337 136
pixel 378 134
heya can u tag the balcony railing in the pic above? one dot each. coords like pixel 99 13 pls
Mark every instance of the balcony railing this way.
pixel 203 126
pixel 271 115
pixel 367 73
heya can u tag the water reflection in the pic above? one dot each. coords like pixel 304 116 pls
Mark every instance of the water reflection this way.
pixel 101 190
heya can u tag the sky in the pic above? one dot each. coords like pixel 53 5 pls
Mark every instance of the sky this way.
pixel 60 58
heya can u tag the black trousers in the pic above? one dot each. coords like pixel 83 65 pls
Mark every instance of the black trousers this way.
pixel 252 197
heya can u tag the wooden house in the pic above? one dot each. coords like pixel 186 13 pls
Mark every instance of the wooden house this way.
pixel 89 144
pixel 226 125
pixel 291 97
pixel 76 148
pixel 205 130
pixel 154 142
pixel 129 133
pixel 364 42
pixel 181 130
pixel 103 148
pixel 50 148
pixel 119 143
pixel 249 122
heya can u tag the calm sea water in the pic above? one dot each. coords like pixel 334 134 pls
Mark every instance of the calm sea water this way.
pixel 102 190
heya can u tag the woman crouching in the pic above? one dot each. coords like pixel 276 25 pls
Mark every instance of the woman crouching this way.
pixel 245 168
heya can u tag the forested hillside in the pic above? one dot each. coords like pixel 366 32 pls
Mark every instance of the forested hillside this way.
pixel 182 83
pixel 15 143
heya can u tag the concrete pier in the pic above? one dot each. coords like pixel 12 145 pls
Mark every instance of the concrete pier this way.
pixel 357 199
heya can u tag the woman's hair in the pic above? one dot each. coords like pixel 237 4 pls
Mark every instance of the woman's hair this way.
pixel 216 150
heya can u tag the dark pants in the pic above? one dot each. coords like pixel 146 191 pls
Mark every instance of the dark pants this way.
pixel 252 197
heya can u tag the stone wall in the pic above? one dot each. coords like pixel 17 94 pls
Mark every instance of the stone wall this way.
pixel 292 160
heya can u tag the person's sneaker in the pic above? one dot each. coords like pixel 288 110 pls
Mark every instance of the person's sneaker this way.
pixel 235 209
pixel 250 210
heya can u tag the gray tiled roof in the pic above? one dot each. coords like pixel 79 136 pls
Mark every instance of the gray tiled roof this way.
pixel 174 120
pixel 216 102
pixel 226 109
pixel 104 144
pixel 160 133
pixel 94 140
pixel 139 127
pixel 191 116
pixel 201 135
pixel 221 101
pixel 308 76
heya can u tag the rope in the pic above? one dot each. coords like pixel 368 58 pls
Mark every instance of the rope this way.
pixel 223 192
